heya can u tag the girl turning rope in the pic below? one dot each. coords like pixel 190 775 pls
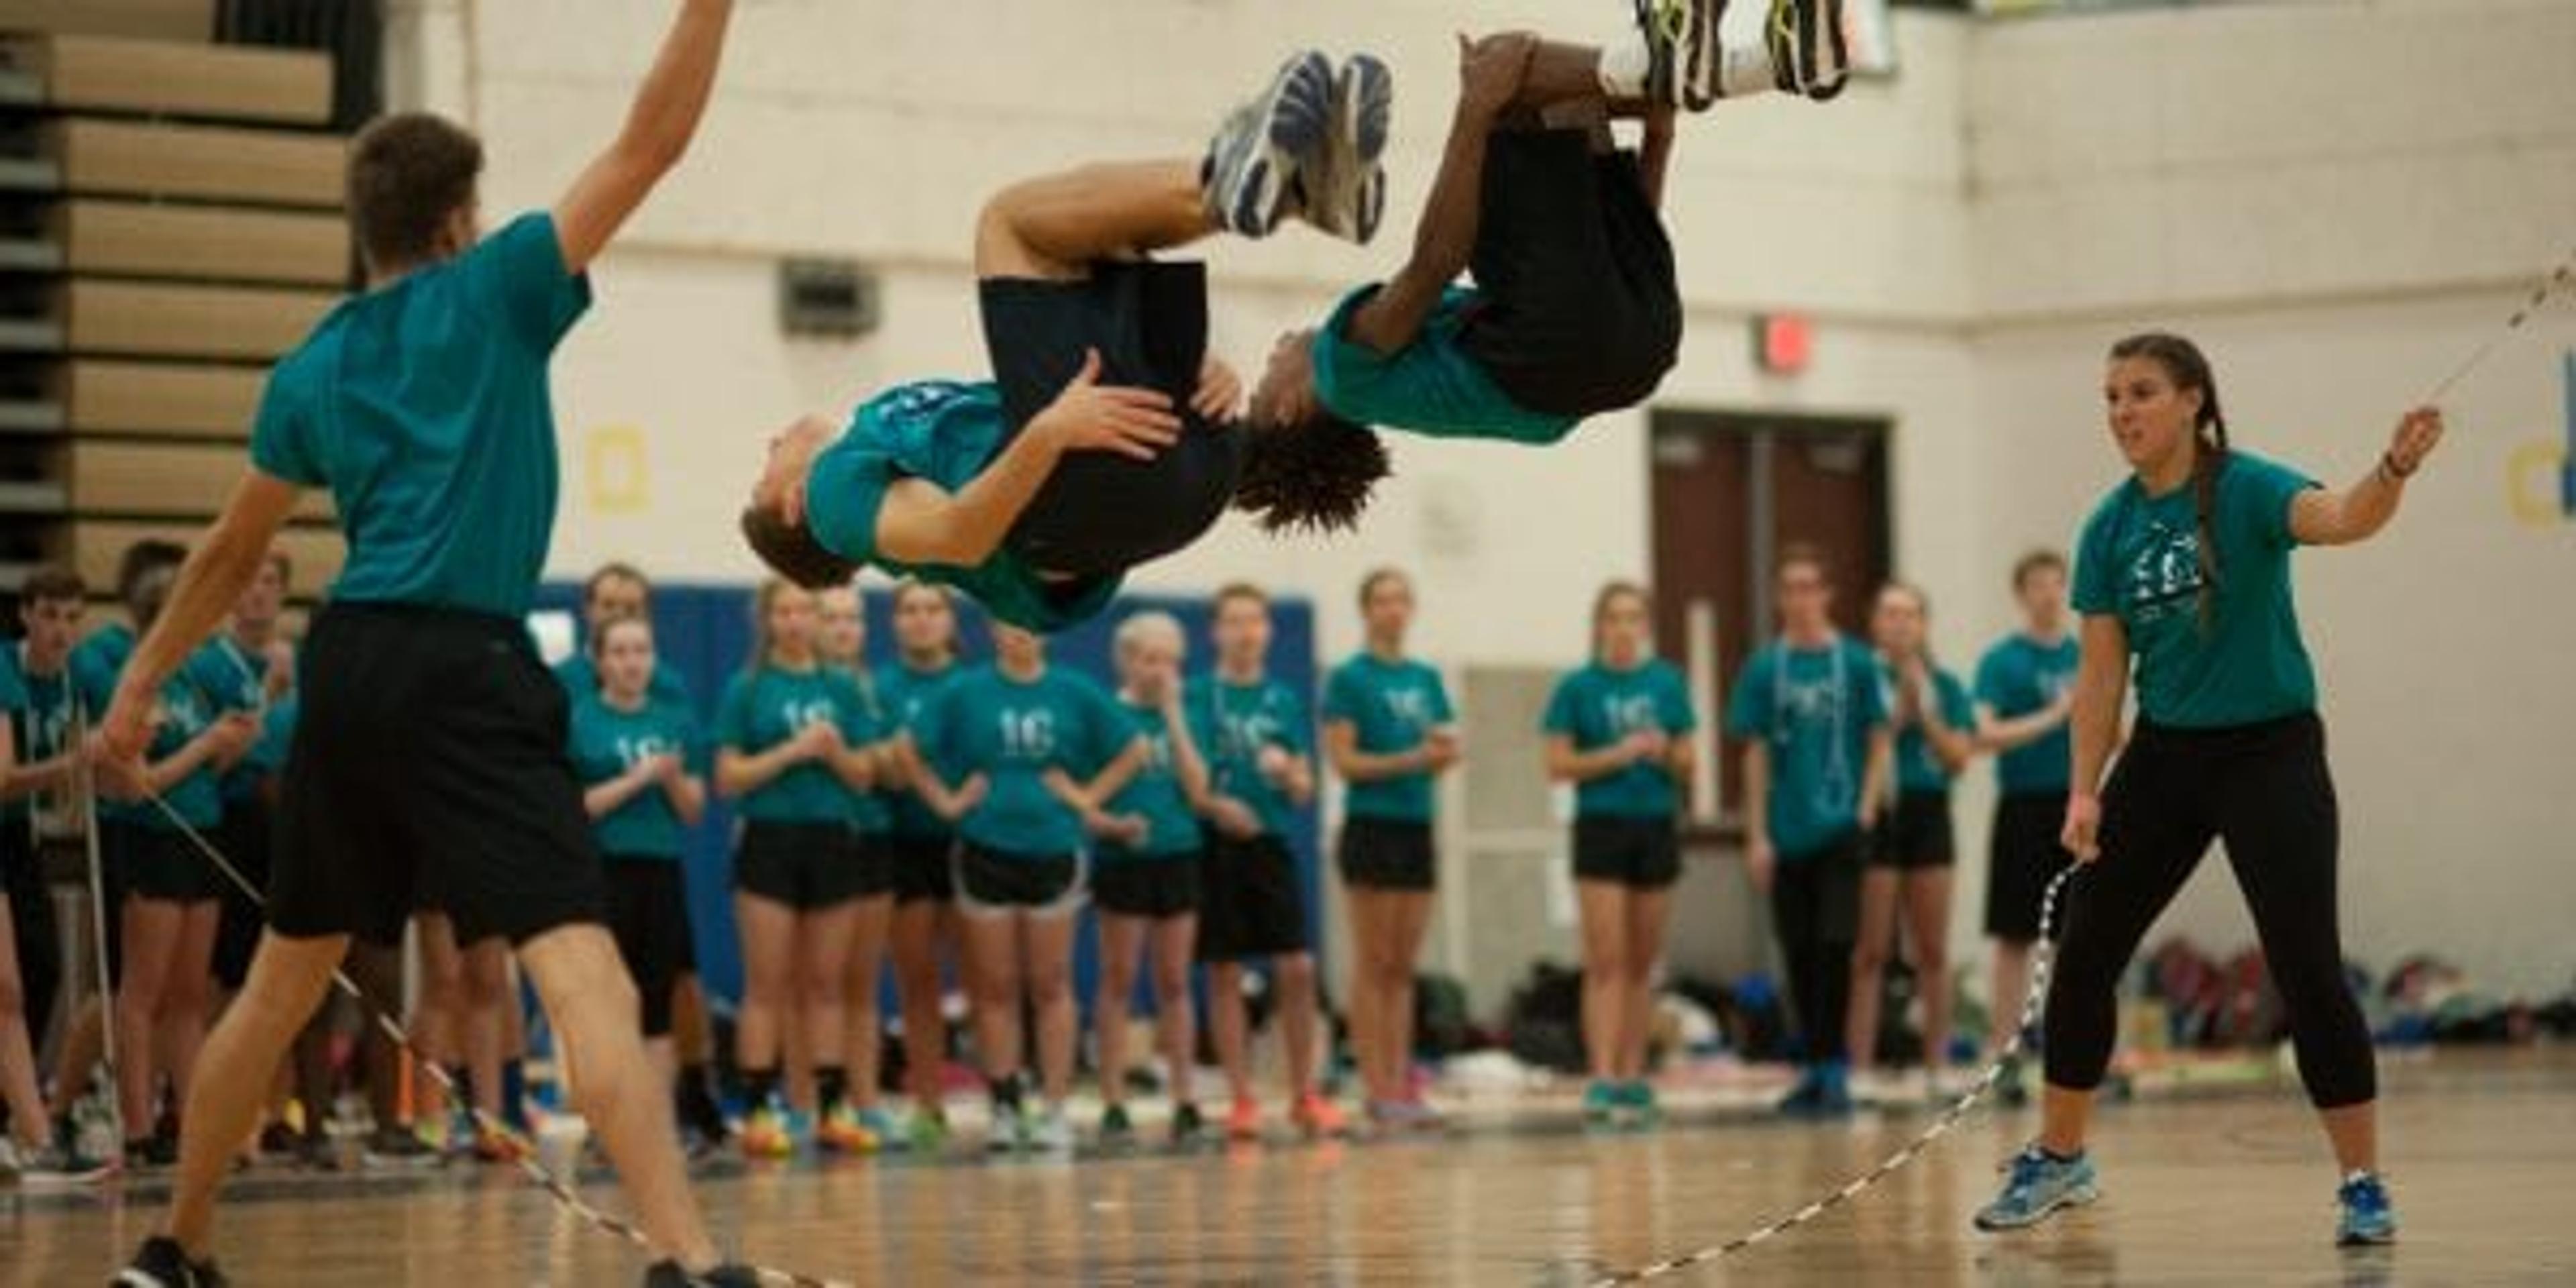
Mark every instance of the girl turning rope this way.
pixel 2185 568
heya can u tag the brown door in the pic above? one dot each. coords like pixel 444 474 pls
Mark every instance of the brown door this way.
pixel 1730 491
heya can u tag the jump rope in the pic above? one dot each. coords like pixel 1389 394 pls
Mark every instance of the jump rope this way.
pixel 570 1201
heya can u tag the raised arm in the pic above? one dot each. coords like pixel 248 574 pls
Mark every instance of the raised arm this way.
pixel 2322 518
pixel 1490 73
pixel 2101 681
pixel 922 524
pixel 214 576
pixel 658 128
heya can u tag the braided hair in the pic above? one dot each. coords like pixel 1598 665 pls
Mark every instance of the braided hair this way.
pixel 2188 368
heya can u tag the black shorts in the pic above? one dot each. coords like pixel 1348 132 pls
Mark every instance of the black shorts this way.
pixel 1156 886
pixel 809 866
pixel 925 868
pixel 991 882
pixel 648 911
pixel 1579 309
pixel 1640 853
pixel 31 917
pixel 2022 859
pixel 165 866
pixel 1915 835
pixel 1386 854
pixel 430 744
pixel 244 839
pixel 1099 512
pixel 1250 904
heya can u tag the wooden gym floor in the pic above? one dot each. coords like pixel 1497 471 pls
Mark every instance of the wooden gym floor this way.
pixel 2201 1187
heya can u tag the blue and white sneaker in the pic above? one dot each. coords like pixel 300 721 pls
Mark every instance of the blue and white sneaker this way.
pixel 2367 1219
pixel 1253 163
pixel 2040 1183
pixel 1344 195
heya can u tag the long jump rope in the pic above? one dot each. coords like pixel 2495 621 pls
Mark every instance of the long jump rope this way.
pixel 570 1201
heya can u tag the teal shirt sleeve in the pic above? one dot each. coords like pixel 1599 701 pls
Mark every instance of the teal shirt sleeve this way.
pixel 13 692
pixel 1872 707
pixel 2262 492
pixel 1748 708
pixel 846 489
pixel 1560 707
pixel 1113 731
pixel 1296 732
pixel 521 270
pixel 2096 588
pixel 1442 713
pixel 281 444
pixel 1956 711
pixel 1345 695
pixel 1993 686
pixel 1672 700
pixel 733 716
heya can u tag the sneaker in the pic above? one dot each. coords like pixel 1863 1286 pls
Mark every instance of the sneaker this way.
pixel 154 1153
pixel 54 1167
pixel 1637 1104
pixel 1344 193
pixel 159 1263
pixel 277 1140
pixel 395 1149
pixel 1243 1122
pixel 764 1134
pixel 1317 1116
pixel 2366 1218
pixel 841 1132
pixel 668 1274
pixel 2010 1088
pixel 1048 1131
pixel 926 1131
pixel 1189 1126
pixel 1809 54
pixel 881 1125
pixel 500 1147
pixel 1117 1130
pixel 1601 1102
pixel 2040 1183
pixel 1682 52
pixel 1253 162
pixel 1803 1098
pixel 1833 1092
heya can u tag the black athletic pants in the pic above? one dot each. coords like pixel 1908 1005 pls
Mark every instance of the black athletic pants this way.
pixel 1815 910
pixel 2265 790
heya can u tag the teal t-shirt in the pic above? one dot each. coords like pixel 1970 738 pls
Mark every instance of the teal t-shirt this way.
pixel 1596 706
pixel 765 707
pixel 1392 708
pixel 1231 724
pixel 871 811
pixel 606 742
pixel 238 681
pixel 908 693
pixel 2018 677
pixel 40 716
pixel 1918 766
pixel 1431 386
pixel 1155 794
pixel 424 407
pixel 1816 708
pixel 276 734
pixel 945 432
pixel 1013 732
pixel 2139 561
pixel 184 711
pixel 95 663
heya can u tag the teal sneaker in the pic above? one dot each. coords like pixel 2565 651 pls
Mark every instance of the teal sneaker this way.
pixel 2040 1184
pixel 1802 1099
pixel 1601 1102
pixel 1833 1090
pixel 1637 1101
pixel 1117 1130
pixel 2367 1219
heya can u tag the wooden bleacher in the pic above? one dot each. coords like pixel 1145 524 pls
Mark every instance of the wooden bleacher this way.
pixel 169 225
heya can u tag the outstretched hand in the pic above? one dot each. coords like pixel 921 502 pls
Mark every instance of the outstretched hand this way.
pixel 1219 397
pixel 1091 416
pixel 2419 431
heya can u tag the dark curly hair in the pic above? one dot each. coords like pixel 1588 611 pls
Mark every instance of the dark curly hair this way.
pixel 1314 476
pixel 792 551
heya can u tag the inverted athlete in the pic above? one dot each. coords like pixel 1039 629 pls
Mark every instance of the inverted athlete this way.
pixel 1574 310
pixel 1106 437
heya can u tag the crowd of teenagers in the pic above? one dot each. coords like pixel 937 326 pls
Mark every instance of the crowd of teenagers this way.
pixel 422 765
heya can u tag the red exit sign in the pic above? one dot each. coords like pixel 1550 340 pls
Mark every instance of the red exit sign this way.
pixel 1783 343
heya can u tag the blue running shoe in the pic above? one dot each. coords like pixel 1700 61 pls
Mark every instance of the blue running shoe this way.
pixel 2367 1218
pixel 1253 163
pixel 1802 1099
pixel 1833 1090
pixel 2040 1183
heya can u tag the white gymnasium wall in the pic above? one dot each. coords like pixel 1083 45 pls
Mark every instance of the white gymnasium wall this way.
pixel 2332 195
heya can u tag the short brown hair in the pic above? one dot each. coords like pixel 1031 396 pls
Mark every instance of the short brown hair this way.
pixel 1797 553
pixel 615 570
pixel 408 174
pixel 53 583
pixel 2034 563
pixel 1234 590
pixel 791 551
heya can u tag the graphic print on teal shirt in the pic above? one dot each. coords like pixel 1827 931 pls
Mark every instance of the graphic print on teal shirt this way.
pixel 2019 677
pixel 908 693
pixel 766 707
pixel 2140 561
pixel 1392 708
pixel 1596 706
pixel 1012 732
pixel 945 432
pixel 1816 709
pixel 607 742
pixel 1155 794
pixel 1431 386
pixel 1232 723
pixel 1918 766
pixel 40 717
pixel 424 406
